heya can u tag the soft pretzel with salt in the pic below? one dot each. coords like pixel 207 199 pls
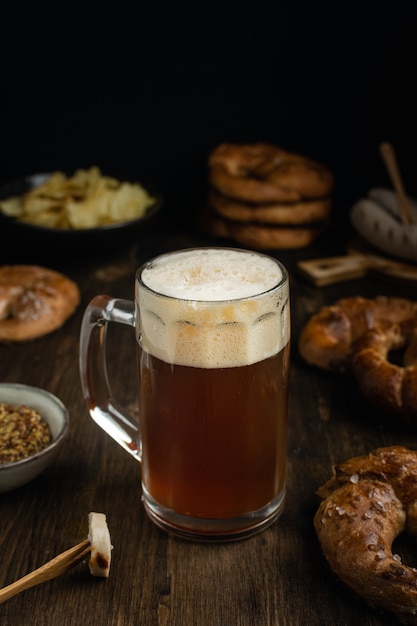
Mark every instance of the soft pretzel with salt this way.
pixel 368 502
pixel 264 173
pixel 34 301
pixel 285 214
pixel 327 338
pixel 391 387
pixel 260 236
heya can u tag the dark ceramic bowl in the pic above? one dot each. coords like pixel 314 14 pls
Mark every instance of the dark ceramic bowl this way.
pixel 31 238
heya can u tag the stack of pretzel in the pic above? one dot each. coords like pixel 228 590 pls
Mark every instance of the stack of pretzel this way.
pixel 265 197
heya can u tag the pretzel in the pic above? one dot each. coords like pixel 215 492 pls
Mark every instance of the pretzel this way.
pixel 34 301
pixel 260 236
pixel 391 387
pixel 264 173
pixel 327 338
pixel 368 502
pixel 279 213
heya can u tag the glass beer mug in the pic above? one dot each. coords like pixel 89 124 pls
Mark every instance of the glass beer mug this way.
pixel 212 330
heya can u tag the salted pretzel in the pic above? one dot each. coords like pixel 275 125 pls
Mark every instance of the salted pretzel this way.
pixel 34 301
pixel 327 338
pixel 290 213
pixel 262 173
pixel 368 502
pixel 260 236
pixel 391 387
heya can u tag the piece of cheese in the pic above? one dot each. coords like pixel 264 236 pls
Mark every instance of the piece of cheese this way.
pixel 99 538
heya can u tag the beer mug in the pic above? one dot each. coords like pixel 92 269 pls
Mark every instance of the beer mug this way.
pixel 212 328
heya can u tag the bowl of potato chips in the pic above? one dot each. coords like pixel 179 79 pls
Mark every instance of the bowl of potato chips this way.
pixel 84 211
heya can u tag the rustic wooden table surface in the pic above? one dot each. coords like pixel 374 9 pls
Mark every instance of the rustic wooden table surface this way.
pixel 276 578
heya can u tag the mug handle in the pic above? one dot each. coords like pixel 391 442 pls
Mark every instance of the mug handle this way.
pixel 103 408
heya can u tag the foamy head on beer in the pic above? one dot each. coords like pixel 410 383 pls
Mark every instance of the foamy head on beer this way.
pixel 213 308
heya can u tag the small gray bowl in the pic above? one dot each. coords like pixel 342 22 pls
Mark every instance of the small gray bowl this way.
pixel 18 473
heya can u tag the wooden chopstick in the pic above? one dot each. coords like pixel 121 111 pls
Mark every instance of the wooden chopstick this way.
pixel 407 214
pixel 58 565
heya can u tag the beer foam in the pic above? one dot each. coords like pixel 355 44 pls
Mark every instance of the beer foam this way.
pixel 212 274
pixel 218 308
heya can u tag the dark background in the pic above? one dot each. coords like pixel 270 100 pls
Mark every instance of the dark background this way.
pixel 147 89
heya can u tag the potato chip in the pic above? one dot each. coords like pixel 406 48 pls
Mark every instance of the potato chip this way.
pixel 87 199
pixel 12 207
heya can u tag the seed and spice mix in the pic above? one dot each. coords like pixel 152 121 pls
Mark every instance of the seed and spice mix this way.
pixel 23 432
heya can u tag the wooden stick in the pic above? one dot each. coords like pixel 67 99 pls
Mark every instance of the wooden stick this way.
pixel 406 211
pixel 58 565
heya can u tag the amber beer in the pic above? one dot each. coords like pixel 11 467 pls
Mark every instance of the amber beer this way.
pixel 213 355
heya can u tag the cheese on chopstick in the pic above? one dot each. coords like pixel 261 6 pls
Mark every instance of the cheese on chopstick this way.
pixel 100 542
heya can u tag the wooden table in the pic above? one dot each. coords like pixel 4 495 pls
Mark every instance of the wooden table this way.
pixel 276 578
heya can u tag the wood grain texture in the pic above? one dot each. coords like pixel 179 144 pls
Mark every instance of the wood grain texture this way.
pixel 278 578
